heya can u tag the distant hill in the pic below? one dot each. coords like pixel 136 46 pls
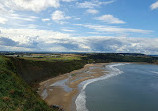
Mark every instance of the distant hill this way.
pixel 121 57
pixel 153 55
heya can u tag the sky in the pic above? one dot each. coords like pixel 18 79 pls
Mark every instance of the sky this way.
pixel 117 26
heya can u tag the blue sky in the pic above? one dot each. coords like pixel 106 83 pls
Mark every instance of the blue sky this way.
pixel 79 25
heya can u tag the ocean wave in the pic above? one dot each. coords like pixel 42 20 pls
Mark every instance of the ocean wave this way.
pixel 81 98
pixel 154 72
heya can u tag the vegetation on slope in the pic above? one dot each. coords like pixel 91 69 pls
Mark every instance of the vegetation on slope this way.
pixel 35 71
pixel 15 94
pixel 121 57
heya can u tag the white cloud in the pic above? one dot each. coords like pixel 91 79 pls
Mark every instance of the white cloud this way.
pixel 13 18
pixel 33 39
pixel 23 17
pixel 30 5
pixel 77 18
pixel 154 5
pixel 58 16
pixel 23 35
pixel 92 11
pixel 114 29
pixel 44 40
pixel 92 4
pixel 68 30
pixel 110 19
pixel 68 0
pixel 45 19
pixel 3 20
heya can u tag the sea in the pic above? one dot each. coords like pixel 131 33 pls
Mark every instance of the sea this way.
pixel 126 87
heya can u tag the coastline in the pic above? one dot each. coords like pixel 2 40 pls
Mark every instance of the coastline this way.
pixel 63 90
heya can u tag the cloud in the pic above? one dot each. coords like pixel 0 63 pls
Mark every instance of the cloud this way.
pixel 154 5
pixel 23 17
pixel 113 29
pixel 3 20
pixel 12 19
pixel 92 3
pixel 30 39
pixel 45 19
pixel 46 40
pixel 7 42
pixel 13 14
pixel 68 30
pixel 58 16
pixel 68 0
pixel 30 5
pixel 124 45
pixel 110 19
pixel 92 11
pixel 77 18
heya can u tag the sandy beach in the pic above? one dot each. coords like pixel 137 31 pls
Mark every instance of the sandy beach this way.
pixel 62 90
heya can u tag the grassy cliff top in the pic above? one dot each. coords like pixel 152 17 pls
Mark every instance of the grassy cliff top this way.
pixel 51 57
pixel 15 94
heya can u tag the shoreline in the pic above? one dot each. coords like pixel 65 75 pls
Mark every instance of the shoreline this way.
pixel 63 89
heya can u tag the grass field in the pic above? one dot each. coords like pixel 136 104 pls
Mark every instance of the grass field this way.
pixel 61 57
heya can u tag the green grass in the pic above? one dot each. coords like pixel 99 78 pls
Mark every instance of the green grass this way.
pixel 53 59
pixel 3 62
pixel 15 94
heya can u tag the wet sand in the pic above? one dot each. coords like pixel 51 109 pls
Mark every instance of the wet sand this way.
pixel 62 90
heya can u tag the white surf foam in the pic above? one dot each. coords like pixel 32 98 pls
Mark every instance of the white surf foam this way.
pixel 81 98
pixel 154 72
pixel 44 94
